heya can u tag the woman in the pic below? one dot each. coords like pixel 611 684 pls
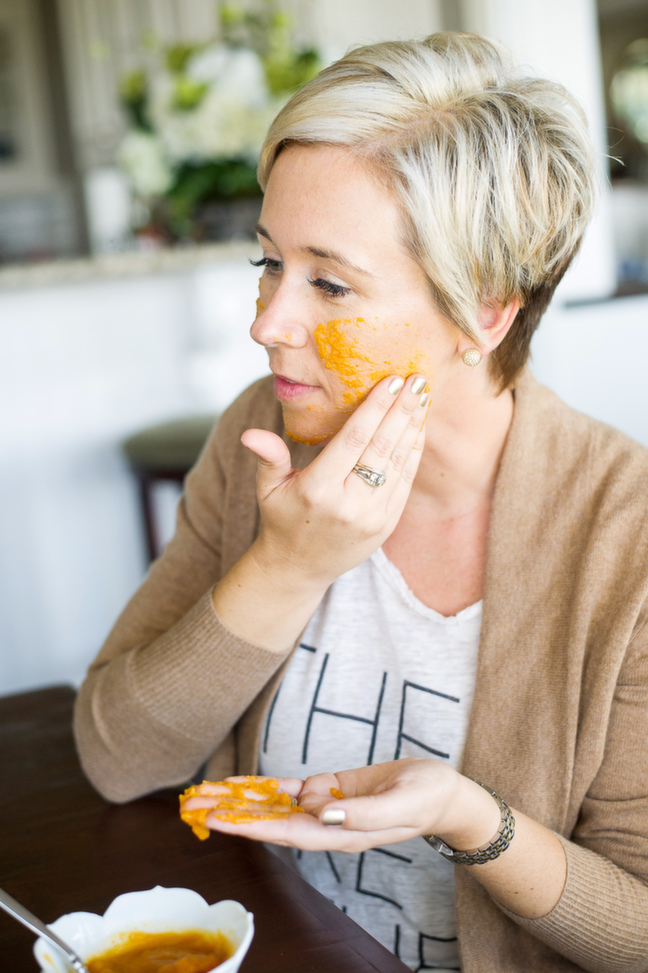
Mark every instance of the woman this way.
pixel 444 579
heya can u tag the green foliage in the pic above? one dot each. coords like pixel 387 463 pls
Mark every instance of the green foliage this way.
pixel 199 184
pixel 286 73
pixel 188 93
pixel 255 27
pixel 267 29
pixel 133 94
pixel 177 57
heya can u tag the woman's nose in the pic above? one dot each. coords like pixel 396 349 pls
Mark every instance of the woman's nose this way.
pixel 279 322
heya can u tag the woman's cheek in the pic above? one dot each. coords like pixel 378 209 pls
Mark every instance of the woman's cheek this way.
pixel 362 354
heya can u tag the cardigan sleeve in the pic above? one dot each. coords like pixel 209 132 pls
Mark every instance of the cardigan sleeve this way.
pixel 600 921
pixel 171 680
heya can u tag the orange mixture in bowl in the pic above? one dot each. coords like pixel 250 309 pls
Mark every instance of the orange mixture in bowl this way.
pixel 193 951
pixel 253 799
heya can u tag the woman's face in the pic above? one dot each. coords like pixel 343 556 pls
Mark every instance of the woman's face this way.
pixel 342 304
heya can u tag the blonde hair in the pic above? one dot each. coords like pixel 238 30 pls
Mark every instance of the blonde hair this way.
pixel 494 170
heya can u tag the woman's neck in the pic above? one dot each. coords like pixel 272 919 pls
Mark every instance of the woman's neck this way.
pixel 463 448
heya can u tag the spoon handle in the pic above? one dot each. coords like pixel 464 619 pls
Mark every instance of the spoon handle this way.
pixel 19 912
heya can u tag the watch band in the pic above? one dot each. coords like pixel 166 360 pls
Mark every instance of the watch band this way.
pixel 493 849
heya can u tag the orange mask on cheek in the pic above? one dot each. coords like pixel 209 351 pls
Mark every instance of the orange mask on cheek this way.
pixel 339 345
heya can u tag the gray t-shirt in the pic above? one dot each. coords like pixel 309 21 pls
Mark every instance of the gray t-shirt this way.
pixel 379 676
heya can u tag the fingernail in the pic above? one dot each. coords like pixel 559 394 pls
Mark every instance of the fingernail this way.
pixel 418 385
pixel 395 385
pixel 334 815
pixel 425 398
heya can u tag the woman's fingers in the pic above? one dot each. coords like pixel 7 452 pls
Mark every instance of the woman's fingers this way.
pixel 390 447
pixel 287 785
pixel 321 521
pixel 274 458
pixel 381 432
pixel 216 793
pixel 405 793
pixel 306 832
pixel 380 812
pixel 352 810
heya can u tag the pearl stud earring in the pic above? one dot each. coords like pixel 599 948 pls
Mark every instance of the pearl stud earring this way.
pixel 471 357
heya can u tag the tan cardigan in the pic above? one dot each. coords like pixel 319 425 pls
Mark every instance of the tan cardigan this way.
pixel 559 722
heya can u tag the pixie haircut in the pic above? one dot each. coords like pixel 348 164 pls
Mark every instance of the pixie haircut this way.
pixel 494 170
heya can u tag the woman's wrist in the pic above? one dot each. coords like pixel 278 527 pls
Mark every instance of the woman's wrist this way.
pixel 283 572
pixel 472 819
pixel 266 604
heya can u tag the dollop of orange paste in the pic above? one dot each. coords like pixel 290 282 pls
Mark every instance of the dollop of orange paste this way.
pixel 193 951
pixel 253 799
pixel 337 794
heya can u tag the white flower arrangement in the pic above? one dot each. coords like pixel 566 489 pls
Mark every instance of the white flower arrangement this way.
pixel 199 114
pixel 142 157
pixel 229 120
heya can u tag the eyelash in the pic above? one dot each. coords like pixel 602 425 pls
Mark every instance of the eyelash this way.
pixel 271 265
pixel 334 290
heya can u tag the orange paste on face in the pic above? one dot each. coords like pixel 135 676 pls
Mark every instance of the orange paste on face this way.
pixel 192 951
pixel 339 349
pixel 254 799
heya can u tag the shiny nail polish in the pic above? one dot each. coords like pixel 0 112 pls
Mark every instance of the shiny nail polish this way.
pixel 334 815
pixel 418 385
pixel 395 385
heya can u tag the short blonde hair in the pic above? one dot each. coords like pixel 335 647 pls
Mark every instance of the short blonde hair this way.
pixel 494 170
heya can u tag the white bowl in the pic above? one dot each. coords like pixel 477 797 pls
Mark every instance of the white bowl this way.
pixel 156 910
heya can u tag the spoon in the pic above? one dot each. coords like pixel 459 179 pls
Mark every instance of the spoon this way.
pixel 23 915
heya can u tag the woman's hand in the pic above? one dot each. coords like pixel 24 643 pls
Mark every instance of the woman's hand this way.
pixel 382 804
pixel 319 522
pixel 391 802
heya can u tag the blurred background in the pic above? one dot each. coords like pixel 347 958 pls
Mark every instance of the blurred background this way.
pixel 128 133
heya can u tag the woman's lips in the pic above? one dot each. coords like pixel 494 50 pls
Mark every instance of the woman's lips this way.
pixel 287 391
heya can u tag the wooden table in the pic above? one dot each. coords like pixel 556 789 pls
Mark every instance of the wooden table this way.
pixel 64 849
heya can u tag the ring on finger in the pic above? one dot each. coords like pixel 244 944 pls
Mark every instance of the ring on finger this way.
pixel 375 478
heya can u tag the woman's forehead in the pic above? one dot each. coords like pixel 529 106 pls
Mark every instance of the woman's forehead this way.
pixel 327 190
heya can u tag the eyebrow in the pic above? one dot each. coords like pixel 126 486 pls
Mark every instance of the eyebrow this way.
pixel 333 255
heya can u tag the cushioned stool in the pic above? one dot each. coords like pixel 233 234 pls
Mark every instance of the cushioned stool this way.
pixel 165 452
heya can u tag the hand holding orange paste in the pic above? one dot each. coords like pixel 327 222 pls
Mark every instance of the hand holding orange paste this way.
pixel 240 802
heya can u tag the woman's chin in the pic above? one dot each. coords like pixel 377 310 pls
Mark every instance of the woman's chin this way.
pixel 314 427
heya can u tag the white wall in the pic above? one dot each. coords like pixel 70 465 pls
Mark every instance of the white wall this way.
pixel 594 356
pixel 339 24
pixel 82 367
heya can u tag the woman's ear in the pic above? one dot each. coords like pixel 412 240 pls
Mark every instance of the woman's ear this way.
pixel 495 321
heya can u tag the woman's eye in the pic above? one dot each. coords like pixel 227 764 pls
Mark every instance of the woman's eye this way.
pixel 271 266
pixel 335 290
